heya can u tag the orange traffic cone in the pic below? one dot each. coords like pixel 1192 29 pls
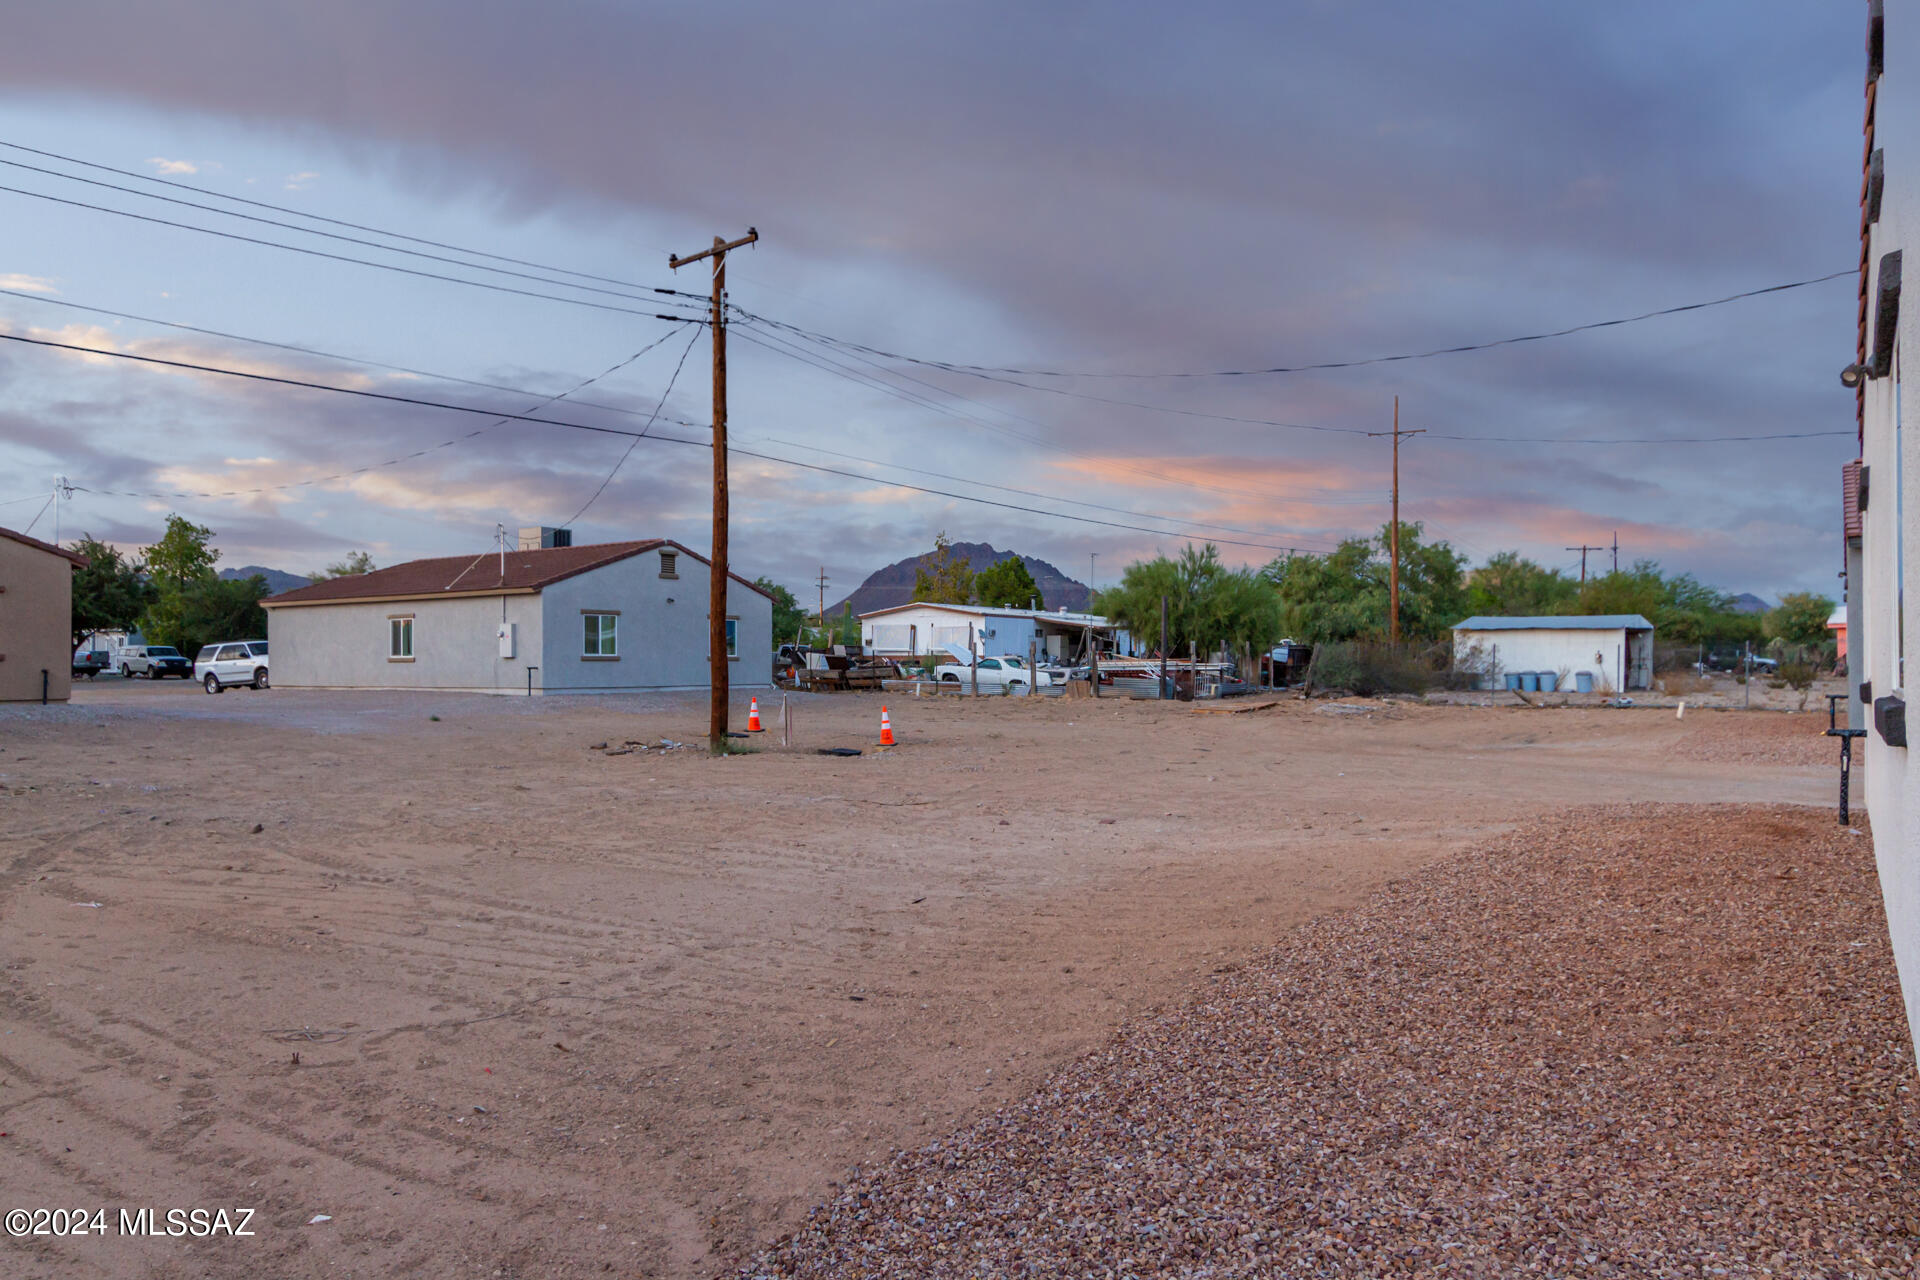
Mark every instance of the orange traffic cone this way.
pixel 753 717
pixel 886 729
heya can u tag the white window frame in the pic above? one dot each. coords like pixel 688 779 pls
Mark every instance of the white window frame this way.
pixel 399 637
pixel 607 633
pixel 733 638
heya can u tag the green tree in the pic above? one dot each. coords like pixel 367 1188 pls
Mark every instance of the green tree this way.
pixel 110 593
pixel 356 563
pixel 1800 619
pixel 207 611
pixel 1344 595
pixel 788 616
pixel 1683 609
pixel 1510 585
pixel 1007 584
pixel 943 577
pixel 1207 603
pixel 183 554
pixel 190 606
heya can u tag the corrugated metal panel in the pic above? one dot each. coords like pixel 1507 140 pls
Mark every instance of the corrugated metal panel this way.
pixel 1590 622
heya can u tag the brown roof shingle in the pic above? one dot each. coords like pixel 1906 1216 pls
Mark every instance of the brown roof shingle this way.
pixel 483 574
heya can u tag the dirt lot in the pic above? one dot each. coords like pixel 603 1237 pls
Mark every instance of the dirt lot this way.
pixel 496 1003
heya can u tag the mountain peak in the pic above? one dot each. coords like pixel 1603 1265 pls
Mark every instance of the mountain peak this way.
pixel 893 585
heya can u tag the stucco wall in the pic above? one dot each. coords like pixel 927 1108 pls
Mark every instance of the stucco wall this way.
pixel 1598 651
pixel 662 645
pixel 455 645
pixel 36 620
pixel 1891 452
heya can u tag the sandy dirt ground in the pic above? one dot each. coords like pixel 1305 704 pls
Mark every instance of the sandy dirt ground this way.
pixel 499 1004
pixel 1713 691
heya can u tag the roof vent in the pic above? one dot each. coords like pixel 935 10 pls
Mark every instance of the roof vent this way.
pixel 534 537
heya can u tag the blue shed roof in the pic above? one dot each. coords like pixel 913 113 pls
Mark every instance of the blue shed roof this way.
pixel 1587 622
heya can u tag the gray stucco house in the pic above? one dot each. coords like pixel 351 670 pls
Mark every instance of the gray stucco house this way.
pixel 605 618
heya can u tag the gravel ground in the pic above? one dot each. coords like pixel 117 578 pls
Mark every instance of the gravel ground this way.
pixel 1761 737
pixel 1633 1041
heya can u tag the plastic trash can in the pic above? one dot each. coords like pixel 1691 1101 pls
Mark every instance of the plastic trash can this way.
pixel 1549 681
pixel 1530 682
pixel 1583 681
pixel 1513 679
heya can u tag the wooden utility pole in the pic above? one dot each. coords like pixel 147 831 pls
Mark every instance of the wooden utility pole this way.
pixel 717 592
pixel 1616 551
pixel 1583 557
pixel 823 605
pixel 1393 531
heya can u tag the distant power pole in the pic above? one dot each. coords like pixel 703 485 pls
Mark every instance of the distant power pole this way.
pixel 1616 551
pixel 1583 557
pixel 1393 532
pixel 717 589
pixel 823 598
pixel 1093 573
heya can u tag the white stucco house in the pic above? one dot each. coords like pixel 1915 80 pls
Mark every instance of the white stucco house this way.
pixel 1884 484
pixel 920 630
pixel 1614 651
pixel 611 617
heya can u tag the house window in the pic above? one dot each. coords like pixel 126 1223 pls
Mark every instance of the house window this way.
pixel 733 638
pixel 669 564
pixel 602 635
pixel 400 638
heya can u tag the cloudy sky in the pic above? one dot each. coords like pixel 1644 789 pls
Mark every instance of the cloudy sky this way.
pixel 1103 189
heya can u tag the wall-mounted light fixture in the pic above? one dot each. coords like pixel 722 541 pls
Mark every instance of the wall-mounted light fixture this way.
pixel 1852 376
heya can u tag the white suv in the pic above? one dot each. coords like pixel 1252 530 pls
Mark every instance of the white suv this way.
pixel 231 663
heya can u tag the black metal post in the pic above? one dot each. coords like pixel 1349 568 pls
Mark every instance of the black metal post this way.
pixel 1846 737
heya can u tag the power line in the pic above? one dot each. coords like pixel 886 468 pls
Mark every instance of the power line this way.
pixel 1302 426
pixel 336 222
pixel 334 235
pixel 652 417
pixel 635 442
pixel 1030 493
pixel 806 356
pixel 1071 394
pixel 36 515
pixel 954 367
pixel 433 448
pixel 334 355
pixel 339 257
pixel 575 426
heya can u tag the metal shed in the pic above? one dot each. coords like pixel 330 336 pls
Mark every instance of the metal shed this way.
pixel 1613 650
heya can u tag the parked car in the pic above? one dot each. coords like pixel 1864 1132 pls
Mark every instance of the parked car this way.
pixel 232 662
pixel 1735 660
pixel 91 662
pixel 154 661
pixel 1003 672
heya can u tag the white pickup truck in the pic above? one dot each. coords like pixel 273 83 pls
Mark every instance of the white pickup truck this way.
pixel 1003 672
